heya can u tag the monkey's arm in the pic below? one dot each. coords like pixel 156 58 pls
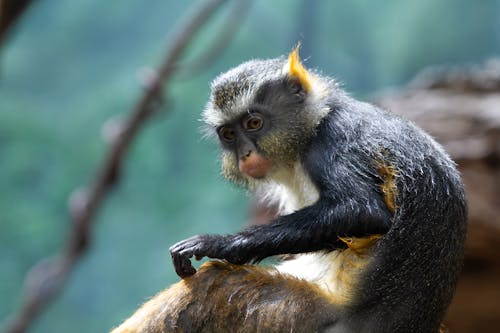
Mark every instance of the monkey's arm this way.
pixel 349 207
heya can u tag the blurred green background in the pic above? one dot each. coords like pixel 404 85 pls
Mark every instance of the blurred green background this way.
pixel 70 66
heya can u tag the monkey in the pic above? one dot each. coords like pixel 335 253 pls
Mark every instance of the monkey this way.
pixel 372 215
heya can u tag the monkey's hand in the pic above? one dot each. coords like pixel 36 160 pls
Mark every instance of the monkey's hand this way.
pixel 212 246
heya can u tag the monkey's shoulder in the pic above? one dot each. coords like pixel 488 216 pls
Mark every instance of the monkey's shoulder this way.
pixel 358 133
pixel 358 144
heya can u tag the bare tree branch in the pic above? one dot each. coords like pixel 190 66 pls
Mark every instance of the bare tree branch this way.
pixel 224 36
pixel 10 11
pixel 47 278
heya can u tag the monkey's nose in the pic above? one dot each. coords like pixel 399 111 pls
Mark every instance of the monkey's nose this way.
pixel 254 165
pixel 246 155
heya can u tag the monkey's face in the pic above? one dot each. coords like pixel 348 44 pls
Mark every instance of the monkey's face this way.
pixel 264 113
pixel 241 137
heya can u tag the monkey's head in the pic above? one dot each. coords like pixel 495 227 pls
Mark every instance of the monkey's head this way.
pixel 264 112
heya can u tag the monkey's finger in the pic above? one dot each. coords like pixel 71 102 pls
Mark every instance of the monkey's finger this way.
pixel 182 262
pixel 186 245
pixel 187 271
pixel 183 266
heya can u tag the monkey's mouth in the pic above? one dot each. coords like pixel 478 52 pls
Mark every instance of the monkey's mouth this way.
pixel 255 166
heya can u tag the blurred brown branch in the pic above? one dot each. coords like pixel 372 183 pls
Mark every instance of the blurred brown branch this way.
pixel 10 10
pixel 224 36
pixel 47 277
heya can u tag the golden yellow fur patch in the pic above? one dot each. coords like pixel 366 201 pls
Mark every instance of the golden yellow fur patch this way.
pixel 338 273
pixel 389 188
pixel 360 245
pixel 347 268
pixel 297 71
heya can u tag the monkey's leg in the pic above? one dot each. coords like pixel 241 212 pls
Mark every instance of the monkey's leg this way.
pixel 222 297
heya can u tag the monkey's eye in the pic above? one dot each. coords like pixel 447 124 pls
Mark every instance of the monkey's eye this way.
pixel 253 122
pixel 227 134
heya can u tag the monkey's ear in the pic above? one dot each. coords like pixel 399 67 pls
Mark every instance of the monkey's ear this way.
pixel 298 76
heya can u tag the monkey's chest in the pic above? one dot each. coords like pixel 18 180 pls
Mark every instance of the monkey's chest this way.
pixel 292 190
pixel 336 272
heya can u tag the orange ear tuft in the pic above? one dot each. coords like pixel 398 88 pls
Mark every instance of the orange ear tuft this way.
pixel 297 71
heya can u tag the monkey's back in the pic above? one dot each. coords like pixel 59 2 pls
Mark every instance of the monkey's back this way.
pixel 416 264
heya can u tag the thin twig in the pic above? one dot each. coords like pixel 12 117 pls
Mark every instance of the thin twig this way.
pixel 10 11
pixel 224 36
pixel 46 278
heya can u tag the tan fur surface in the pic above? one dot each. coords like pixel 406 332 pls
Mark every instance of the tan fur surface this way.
pixel 222 297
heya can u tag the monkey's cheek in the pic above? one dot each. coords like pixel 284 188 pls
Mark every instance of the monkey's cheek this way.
pixel 255 166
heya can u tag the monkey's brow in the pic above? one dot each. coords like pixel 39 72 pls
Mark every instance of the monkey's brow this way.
pixel 226 94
